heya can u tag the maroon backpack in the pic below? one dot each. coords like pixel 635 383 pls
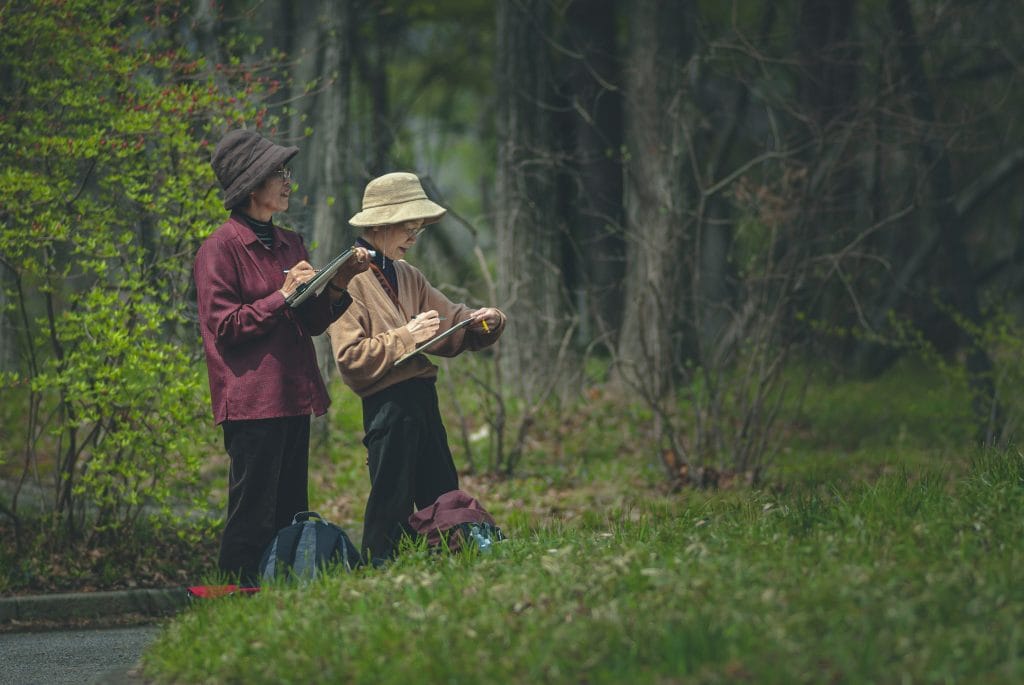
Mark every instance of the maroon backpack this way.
pixel 455 518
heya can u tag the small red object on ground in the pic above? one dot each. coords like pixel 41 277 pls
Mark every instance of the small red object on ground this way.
pixel 215 591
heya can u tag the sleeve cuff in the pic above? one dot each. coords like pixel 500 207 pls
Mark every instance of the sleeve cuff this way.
pixel 406 337
pixel 275 302
pixel 338 308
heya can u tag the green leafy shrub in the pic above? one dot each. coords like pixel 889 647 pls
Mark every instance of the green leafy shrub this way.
pixel 104 146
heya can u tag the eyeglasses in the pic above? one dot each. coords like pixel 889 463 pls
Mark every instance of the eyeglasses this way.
pixel 414 232
pixel 285 173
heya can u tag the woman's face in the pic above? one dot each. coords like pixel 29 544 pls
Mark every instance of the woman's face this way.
pixel 272 195
pixel 397 239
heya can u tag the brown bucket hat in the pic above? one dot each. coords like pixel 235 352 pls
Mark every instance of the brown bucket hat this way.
pixel 243 159
pixel 394 198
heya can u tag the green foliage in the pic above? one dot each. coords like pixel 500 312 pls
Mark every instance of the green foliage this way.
pixel 900 580
pixel 993 392
pixel 146 554
pixel 1001 337
pixel 104 148
pixel 916 405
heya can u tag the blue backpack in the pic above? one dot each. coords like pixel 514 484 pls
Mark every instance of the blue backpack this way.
pixel 305 549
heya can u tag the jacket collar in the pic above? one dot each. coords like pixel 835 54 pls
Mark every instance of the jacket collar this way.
pixel 246 234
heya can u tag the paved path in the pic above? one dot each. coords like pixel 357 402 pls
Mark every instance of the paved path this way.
pixel 72 652
pixel 81 657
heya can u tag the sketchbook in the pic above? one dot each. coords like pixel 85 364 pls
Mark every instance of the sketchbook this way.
pixel 316 285
pixel 433 341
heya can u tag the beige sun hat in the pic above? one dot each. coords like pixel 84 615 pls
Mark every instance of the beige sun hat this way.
pixel 394 198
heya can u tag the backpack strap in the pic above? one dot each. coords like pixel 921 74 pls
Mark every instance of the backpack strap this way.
pixel 289 539
pixel 327 539
pixel 305 516
pixel 286 544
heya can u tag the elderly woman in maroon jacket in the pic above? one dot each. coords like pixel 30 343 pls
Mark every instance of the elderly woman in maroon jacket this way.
pixel 264 379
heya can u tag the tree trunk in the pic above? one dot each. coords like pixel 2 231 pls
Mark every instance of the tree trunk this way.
pixel 372 58
pixel 8 339
pixel 596 189
pixel 829 68
pixel 315 39
pixel 327 157
pixel 529 246
pixel 958 282
pixel 655 76
pixel 828 106
pixel 714 280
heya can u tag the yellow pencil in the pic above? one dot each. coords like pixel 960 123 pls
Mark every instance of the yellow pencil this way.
pixel 486 329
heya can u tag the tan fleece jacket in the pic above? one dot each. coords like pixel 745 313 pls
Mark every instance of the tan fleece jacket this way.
pixel 371 335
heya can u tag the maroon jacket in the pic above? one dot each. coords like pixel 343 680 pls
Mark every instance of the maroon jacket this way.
pixel 259 351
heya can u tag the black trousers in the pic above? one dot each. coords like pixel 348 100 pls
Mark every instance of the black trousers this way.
pixel 267 486
pixel 409 459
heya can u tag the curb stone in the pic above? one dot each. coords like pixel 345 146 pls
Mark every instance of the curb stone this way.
pixel 89 605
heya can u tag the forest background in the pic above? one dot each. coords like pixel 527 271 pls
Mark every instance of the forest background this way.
pixel 688 210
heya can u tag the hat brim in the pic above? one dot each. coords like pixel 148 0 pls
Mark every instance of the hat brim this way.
pixel 412 210
pixel 262 167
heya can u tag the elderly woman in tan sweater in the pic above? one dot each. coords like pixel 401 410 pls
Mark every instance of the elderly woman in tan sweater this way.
pixel 394 309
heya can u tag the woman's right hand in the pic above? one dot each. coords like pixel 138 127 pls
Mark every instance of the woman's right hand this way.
pixel 424 326
pixel 296 276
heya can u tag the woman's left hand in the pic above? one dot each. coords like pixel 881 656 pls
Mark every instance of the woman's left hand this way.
pixel 355 264
pixel 488 319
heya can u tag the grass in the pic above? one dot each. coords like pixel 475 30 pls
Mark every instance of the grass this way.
pixel 912 417
pixel 902 580
pixel 880 552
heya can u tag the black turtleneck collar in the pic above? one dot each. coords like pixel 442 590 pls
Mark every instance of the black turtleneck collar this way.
pixel 264 230
pixel 387 266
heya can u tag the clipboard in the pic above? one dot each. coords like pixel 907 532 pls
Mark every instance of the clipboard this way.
pixel 436 339
pixel 316 285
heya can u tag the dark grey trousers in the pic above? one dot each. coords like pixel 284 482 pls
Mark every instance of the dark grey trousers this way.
pixel 409 460
pixel 267 486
